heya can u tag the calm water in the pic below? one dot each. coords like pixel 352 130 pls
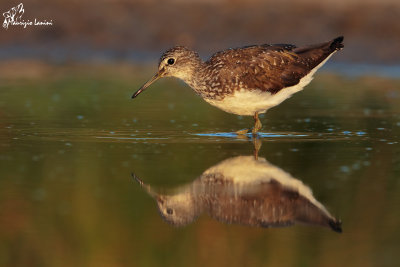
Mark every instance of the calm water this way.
pixel 69 144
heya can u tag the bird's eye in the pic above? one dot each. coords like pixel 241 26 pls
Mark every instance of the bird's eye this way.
pixel 170 211
pixel 171 61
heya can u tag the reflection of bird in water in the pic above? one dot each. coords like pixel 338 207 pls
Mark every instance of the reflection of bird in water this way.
pixel 248 80
pixel 244 190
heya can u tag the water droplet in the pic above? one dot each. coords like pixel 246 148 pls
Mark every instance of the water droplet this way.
pixel 356 166
pixel 344 169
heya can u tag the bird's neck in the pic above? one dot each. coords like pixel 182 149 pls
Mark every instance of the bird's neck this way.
pixel 194 76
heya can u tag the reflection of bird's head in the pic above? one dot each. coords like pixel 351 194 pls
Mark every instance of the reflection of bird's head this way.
pixel 178 210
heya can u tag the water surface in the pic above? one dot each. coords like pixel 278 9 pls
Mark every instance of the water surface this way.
pixel 70 142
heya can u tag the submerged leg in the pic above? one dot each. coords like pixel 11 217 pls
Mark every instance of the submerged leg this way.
pixel 257 124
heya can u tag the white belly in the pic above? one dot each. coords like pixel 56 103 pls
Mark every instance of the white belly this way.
pixel 248 102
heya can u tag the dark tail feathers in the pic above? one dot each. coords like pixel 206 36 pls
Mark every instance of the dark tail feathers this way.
pixel 336 225
pixel 337 43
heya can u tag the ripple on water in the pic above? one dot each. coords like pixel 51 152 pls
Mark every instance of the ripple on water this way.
pixel 315 136
pixel 67 136
pixel 261 135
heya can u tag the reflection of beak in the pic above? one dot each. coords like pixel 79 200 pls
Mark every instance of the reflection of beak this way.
pixel 143 185
pixel 157 76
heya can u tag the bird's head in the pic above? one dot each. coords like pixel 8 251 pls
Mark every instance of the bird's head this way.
pixel 179 209
pixel 179 62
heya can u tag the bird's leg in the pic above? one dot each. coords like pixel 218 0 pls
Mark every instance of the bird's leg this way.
pixel 257 124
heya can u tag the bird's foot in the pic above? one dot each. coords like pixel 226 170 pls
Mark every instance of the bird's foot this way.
pixel 242 132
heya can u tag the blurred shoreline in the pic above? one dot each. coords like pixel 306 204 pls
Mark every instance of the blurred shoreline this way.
pixel 14 69
pixel 139 31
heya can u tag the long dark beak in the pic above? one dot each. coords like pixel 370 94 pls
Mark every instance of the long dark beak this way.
pixel 152 80
pixel 143 185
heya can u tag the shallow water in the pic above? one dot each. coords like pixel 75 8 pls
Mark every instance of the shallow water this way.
pixel 70 143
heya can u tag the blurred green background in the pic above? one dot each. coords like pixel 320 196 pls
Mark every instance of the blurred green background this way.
pixel 70 136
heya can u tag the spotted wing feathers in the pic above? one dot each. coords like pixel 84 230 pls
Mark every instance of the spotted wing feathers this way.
pixel 271 67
